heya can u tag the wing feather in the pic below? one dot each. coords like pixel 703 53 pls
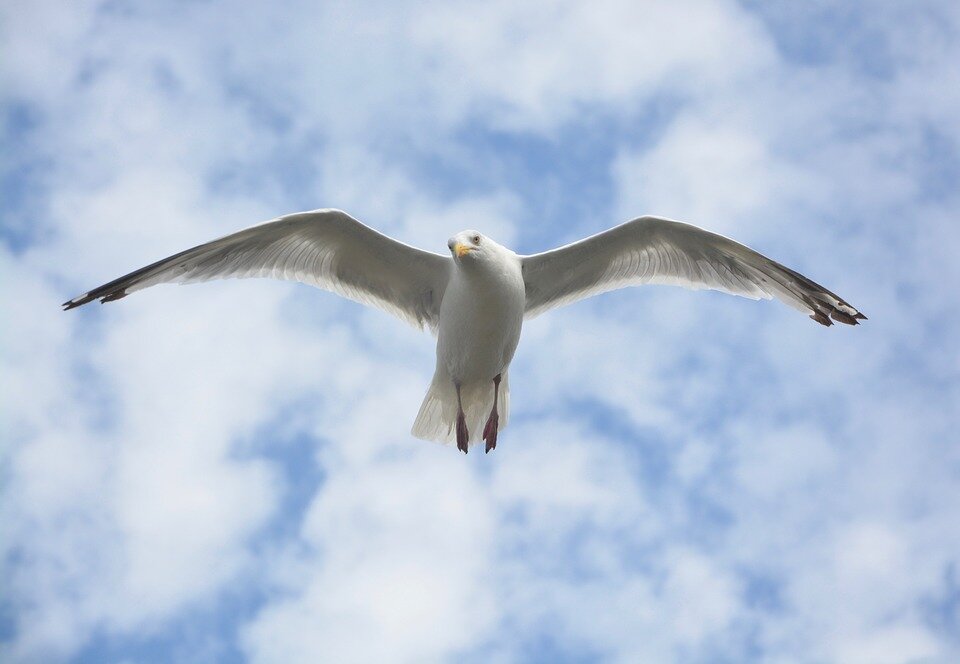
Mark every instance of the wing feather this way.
pixel 653 250
pixel 328 249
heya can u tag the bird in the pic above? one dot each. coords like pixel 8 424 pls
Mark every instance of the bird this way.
pixel 476 299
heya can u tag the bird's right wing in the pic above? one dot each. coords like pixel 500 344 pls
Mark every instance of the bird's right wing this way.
pixel 325 248
pixel 660 251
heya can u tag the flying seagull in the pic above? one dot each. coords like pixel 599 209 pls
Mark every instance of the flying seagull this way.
pixel 476 299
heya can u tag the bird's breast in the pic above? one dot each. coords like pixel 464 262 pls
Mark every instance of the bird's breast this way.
pixel 480 320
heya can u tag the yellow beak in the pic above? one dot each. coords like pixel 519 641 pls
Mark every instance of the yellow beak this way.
pixel 461 250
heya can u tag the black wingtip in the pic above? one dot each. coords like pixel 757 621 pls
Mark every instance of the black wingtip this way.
pixel 820 318
pixel 72 304
pixel 842 317
pixel 97 294
pixel 825 312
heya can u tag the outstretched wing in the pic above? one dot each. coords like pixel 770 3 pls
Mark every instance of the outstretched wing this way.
pixel 651 250
pixel 325 248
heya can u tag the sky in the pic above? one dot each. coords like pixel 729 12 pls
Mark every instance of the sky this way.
pixel 223 472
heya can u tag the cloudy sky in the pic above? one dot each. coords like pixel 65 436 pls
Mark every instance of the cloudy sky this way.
pixel 224 472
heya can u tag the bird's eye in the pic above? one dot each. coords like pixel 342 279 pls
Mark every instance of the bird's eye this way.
pixel 476 239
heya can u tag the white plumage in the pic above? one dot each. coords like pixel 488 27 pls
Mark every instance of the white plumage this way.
pixel 476 299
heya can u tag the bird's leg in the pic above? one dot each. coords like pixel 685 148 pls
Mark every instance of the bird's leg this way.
pixel 463 436
pixel 493 422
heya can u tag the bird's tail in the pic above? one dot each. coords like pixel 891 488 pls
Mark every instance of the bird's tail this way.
pixel 437 418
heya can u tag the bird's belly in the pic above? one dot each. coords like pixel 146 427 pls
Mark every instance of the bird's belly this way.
pixel 478 334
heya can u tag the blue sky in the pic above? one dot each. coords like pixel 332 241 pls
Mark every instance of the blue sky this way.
pixel 223 472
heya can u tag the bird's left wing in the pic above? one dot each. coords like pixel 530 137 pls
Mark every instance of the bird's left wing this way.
pixel 661 251
pixel 325 248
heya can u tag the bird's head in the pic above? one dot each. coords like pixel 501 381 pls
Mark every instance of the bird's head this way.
pixel 468 245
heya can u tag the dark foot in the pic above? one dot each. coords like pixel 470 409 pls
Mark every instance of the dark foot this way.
pixel 493 422
pixel 463 436
pixel 490 430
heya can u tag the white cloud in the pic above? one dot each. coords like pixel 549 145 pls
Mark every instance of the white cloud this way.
pixel 397 549
pixel 697 172
pixel 411 214
pixel 534 65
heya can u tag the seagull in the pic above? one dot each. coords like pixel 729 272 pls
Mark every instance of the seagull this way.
pixel 476 299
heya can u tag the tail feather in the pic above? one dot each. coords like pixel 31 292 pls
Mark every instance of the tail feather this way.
pixel 437 418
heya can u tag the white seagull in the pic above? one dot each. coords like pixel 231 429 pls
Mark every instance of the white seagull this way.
pixel 476 299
